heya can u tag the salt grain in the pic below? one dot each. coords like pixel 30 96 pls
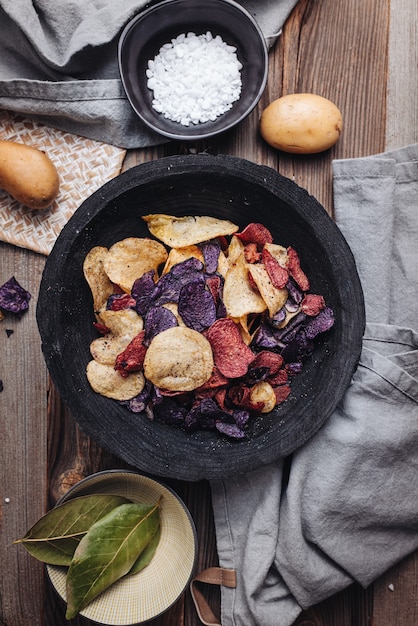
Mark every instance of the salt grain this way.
pixel 194 78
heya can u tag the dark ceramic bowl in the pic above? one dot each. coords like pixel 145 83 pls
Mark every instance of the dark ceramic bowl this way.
pixel 143 37
pixel 225 187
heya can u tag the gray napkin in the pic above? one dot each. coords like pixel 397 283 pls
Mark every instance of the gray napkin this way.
pixel 347 509
pixel 58 64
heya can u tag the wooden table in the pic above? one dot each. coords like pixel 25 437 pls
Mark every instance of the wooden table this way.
pixel 362 54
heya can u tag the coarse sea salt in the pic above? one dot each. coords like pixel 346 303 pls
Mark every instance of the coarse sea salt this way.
pixel 194 78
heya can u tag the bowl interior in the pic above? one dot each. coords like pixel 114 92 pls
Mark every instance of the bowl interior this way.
pixel 152 591
pixel 225 187
pixel 142 39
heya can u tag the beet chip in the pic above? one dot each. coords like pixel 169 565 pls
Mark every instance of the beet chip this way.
pixel 116 302
pixel 295 269
pixel 312 304
pixel 255 233
pixel 13 297
pixel 196 306
pixel 230 354
pixel 132 358
pixel 277 274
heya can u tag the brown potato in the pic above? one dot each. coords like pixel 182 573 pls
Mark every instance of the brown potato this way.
pixel 28 175
pixel 301 123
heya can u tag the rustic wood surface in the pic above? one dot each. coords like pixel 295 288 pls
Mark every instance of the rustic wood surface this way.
pixel 362 54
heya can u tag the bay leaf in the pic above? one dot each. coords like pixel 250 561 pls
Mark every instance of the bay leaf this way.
pixel 56 535
pixel 108 551
pixel 147 553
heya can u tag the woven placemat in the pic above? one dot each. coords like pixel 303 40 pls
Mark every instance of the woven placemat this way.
pixel 83 166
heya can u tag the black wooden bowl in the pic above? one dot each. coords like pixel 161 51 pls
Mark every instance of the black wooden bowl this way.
pixel 225 187
pixel 143 37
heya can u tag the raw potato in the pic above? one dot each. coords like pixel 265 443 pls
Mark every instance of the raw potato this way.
pixel 301 123
pixel 28 175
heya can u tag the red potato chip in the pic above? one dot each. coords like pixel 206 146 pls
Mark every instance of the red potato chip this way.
pixel 295 269
pixel 277 274
pixel 255 233
pixel 132 358
pixel 106 381
pixel 274 298
pixel 240 396
pixel 239 296
pixel 178 232
pixel 281 392
pixel 266 358
pixel 99 282
pixel 312 304
pixel 251 253
pixel 230 354
pixel 129 259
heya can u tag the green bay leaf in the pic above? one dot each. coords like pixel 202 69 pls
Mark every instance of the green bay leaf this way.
pixel 147 553
pixel 55 536
pixel 108 551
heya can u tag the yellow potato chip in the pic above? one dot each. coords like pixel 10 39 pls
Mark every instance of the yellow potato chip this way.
pixel 123 325
pixel 235 249
pixel 99 282
pixel 273 297
pixel 106 381
pixel 132 257
pixel 178 255
pixel 239 297
pixel 278 252
pixel 263 392
pixel 178 232
pixel 179 359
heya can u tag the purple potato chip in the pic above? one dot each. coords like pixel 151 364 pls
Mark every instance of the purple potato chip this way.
pixel 231 430
pixel 13 298
pixel 321 323
pixel 211 250
pixel 266 339
pixel 169 412
pixel 157 319
pixel 241 417
pixel 169 285
pixel 295 292
pixel 143 291
pixel 196 306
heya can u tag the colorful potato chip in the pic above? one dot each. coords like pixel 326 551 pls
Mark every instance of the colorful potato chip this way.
pixel 239 296
pixel 295 269
pixel 178 232
pixel 255 233
pixel 157 319
pixel 263 393
pixel 99 282
pixel 106 381
pixel 13 297
pixel 132 358
pixel 278 275
pixel 230 354
pixel 278 252
pixel 196 306
pixel 123 326
pixel 132 257
pixel 273 297
pixel 178 255
pixel 179 359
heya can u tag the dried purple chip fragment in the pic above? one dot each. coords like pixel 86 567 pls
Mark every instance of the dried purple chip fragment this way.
pixel 13 298
pixel 156 320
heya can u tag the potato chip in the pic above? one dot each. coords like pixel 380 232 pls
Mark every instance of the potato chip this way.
pixel 179 359
pixel 239 297
pixel 230 354
pixel 123 326
pixel 263 392
pixel 132 257
pixel 178 232
pixel 273 297
pixel 99 282
pixel 177 255
pixel 106 381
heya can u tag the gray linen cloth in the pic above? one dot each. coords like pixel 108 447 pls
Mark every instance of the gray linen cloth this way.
pixel 347 509
pixel 58 64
